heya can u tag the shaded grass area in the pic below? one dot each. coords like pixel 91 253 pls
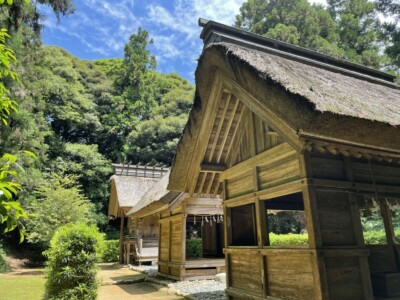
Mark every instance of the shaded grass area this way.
pixel 22 287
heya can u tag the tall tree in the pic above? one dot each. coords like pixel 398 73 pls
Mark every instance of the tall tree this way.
pixel 345 29
pixel 358 30
pixel 293 21
pixel 390 30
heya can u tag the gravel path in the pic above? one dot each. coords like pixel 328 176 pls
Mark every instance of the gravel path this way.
pixel 202 289
pixel 195 290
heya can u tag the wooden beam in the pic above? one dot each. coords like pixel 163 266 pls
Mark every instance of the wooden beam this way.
pixel 349 145
pixel 204 201
pixel 265 158
pixel 228 128
pixel 220 123
pixel 272 192
pixel 237 137
pixel 358 186
pixel 201 183
pixel 204 210
pixel 287 132
pixel 210 183
pixel 390 235
pixel 212 168
pixel 332 150
pixel 204 133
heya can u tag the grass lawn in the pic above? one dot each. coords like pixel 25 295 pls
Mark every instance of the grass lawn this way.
pixel 22 287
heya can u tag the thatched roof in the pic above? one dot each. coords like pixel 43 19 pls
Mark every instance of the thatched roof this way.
pixel 306 100
pixel 126 191
pixel 326 90
pixel 157 197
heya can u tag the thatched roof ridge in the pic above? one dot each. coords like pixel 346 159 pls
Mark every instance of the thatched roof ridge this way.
pixel 157 193
pixel 326 90
pixel 130 189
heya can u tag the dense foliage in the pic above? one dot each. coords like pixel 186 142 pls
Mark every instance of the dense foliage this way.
pixel 71 267
pixel 110 253
pixel 194 248
pixel 78 117
pixel 353 30
pixel 59 202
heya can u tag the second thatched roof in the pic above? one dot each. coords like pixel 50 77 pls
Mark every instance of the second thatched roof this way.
pixel 158 197
pixel 126 191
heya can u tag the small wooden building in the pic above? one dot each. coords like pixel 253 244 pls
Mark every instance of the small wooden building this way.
pixel 278 127
pixel 182 218
pixel 128 185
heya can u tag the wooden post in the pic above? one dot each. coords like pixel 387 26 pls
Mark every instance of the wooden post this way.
pixel 183 245
pixel 387 221
pixel 121 239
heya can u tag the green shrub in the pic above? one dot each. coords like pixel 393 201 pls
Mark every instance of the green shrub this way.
pixel 71 266
pixel 375 237
pixel 194 248
pixel 110 252
pixel 288 239
pixel 3 263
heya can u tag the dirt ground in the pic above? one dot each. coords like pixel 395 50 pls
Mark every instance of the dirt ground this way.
pixel 139 290
pixel 135 291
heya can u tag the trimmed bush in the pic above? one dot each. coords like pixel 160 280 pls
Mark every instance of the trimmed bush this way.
pixel 110 253
pixel 290 239
pixel 71 267
pixel 194 248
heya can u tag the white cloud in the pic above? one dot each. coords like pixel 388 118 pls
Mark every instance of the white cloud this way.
pixel 103 27
pixel 184 43
pixel 166 46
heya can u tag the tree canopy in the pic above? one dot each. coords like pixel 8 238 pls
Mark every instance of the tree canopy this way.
pixel 79 116
pixel 351 30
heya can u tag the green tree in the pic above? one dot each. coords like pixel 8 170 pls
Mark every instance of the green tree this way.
pixel 289 20
pixel 11 212
pixel 136 63
pixel 358 30
pixel 59 202
pixel 92 170
pixel 155 140
pixel 390 30
pixel 345 29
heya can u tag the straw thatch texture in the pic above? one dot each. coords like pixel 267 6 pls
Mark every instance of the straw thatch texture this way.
pixel 156 194
pixel 129 189
pixel 326 90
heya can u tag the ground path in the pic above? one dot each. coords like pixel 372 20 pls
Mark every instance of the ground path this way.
pixel 23 284
pixel 140 290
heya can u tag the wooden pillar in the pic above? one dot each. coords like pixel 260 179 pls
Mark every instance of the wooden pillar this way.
pixel 183 246
pixel 121 239
pixel 390 235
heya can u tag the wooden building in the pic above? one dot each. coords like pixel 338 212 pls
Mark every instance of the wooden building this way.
pixel 181 216
pixel 128 185
pixel 278 127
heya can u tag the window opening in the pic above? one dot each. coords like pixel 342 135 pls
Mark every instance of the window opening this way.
pixel 372 222
pixel 243 225
pixel 204 236
pixel 286 221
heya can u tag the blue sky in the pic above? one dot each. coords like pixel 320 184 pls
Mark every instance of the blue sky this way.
pixel 100 29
